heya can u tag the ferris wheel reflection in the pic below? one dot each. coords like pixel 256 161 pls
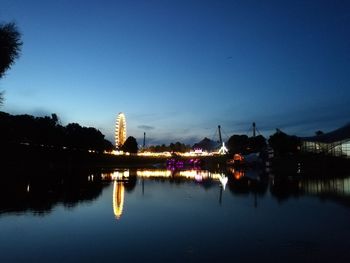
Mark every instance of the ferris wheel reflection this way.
pixel 121 179
pixel 118 199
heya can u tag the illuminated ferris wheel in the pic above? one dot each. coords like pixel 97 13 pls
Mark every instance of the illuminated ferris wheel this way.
pixel 120 130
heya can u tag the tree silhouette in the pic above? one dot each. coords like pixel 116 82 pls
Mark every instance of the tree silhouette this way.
pixel 256 144
pixel 283 143
pixel 238 144
pixel 130 145
pixel 10 47
pixel 172 147
pixel 245 145
pixel 319 133
pixel 47 131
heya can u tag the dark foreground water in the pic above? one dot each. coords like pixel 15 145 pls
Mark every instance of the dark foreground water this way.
pixel 160 216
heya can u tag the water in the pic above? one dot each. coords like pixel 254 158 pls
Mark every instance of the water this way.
pixel 160 216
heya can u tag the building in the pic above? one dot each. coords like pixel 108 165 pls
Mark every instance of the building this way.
pixel 335 143
pixel 120 130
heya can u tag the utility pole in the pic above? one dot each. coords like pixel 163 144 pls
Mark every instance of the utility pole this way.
pixel 254 129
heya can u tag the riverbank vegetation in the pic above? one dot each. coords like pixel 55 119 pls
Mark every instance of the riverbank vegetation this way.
pixel 47 131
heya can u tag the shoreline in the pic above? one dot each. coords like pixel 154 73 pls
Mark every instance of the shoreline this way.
pixel 22 159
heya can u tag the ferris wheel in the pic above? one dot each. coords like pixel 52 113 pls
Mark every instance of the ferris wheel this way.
pixel 120 130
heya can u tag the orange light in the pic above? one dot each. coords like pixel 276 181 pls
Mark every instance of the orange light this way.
pixel 238 174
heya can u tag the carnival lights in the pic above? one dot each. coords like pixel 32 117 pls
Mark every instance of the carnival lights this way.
pixel 120 130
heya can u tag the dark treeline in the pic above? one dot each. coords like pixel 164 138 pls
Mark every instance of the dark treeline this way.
pixel 282 144
pixel 245 145
pixel 46 131
pixel 172 147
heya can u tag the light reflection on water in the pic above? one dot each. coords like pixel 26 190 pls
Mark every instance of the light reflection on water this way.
pixel 197 175
pixel 118 199
pixel 241 180
pixel 120 176
pixel 183 216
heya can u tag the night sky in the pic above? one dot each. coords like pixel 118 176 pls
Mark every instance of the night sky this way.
pixel 177 69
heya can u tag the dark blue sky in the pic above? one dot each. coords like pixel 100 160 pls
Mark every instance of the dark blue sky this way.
pixel 177 69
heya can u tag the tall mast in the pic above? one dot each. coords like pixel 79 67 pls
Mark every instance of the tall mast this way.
pixel 254 129
pixel 220 138
pixel 144 139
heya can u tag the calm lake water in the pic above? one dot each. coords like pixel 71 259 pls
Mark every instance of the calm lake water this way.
pixel 164 216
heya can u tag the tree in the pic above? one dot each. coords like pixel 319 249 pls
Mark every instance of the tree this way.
pixel 178 147
pixel 283 144
pixel 108 146
pixel 238 144
pixel 10 48
pixel 256 144
pixel 130 145
pixel 54 118
pixel 46 131
pixel 1 98
pixel 319 133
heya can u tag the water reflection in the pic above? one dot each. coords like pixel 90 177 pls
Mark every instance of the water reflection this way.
pixel 125 178
pixel 118 175
pixel 255 182
pixel 335 189
pixel 194 175
pixel 322 186
pixel 191 203
pixel 39 195
pixel 154 173
pixel 237 174
pixel 118 199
